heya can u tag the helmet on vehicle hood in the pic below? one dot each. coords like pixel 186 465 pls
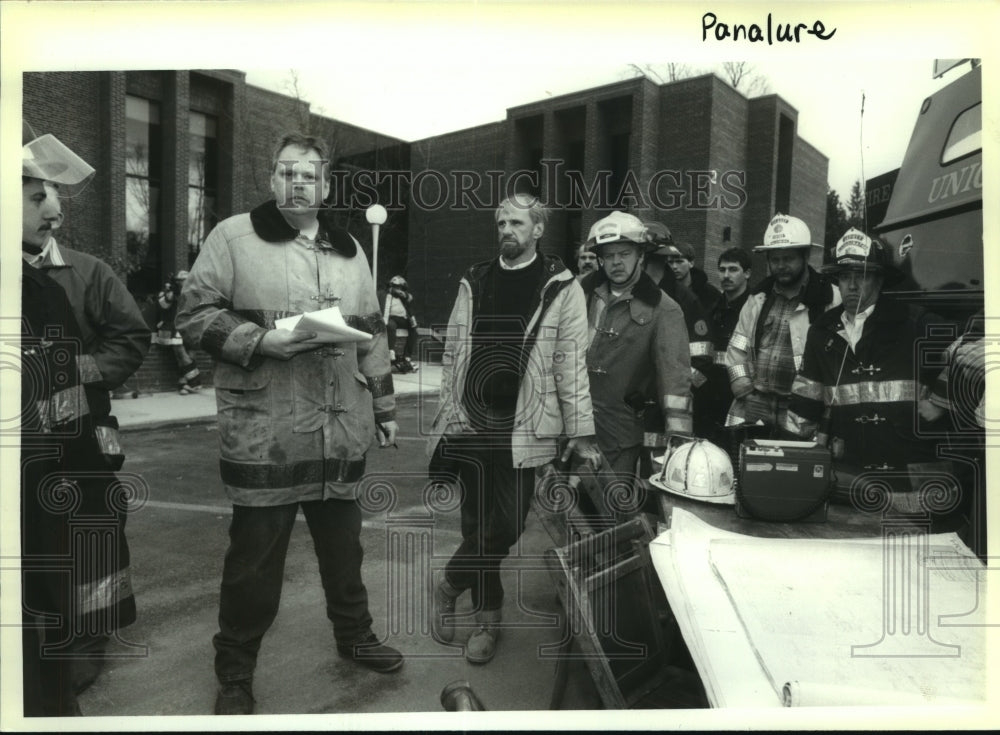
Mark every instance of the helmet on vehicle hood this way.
pixel 698 470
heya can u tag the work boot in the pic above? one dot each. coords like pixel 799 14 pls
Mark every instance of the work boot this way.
pixel 482 644
pixel 235 698
pixel 369 651
pixel 443 612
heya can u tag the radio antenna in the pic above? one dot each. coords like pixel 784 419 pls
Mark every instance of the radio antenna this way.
pixel 861 145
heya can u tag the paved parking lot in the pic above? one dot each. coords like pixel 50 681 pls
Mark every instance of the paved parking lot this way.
pixel 178 538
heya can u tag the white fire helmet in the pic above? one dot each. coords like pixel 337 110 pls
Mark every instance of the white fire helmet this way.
pixel 785 232
pixel 698 470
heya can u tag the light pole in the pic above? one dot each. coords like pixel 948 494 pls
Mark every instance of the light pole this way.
pixel 376 216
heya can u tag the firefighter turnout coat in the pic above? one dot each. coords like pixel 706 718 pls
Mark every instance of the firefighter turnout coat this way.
pixel 638 351
pixel 818 295
pixel 298 429
pixel 862 402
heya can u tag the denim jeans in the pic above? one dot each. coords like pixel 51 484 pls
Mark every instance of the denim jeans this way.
pixel 494 509
pixel 254 570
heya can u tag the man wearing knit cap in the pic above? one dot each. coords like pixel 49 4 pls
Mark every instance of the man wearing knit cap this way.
pixel 766 348
pixel 639 347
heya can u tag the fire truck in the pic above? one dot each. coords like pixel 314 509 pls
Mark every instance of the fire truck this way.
pixel 930 210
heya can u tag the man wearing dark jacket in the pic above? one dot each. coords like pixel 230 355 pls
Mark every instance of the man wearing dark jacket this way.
pixel 638 344
pixel 514 382
pixel 680 260
pixel 696 320
pixel 734 276
pixel 861 388
pixel 114 341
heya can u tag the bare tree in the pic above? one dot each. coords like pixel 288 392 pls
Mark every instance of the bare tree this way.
pixel 294 89
pixel 677 70
pixel 670 71
pixel 743 76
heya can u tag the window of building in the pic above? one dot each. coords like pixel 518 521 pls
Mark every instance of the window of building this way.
pixel 143 172
pixel 203 180
pixel 783 174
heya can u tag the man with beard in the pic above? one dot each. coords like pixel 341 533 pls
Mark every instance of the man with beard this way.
pixel 514 382
pixel 296 416
pixel 861 386
pixel 639 348
pixel 586 261
pixel 766 347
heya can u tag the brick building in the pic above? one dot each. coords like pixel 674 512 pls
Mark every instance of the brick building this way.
pixel 694 154
pixel 177 151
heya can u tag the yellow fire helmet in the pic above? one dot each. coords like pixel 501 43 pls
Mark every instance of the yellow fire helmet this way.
pixel 698 470
pixel 785 232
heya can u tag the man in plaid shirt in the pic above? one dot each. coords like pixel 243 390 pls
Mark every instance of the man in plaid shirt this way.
pixel 765 351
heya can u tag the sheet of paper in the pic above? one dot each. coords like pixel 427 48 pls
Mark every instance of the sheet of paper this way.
pixel 900 618
pixel 328 324
pixel 733 673
pixel 720 649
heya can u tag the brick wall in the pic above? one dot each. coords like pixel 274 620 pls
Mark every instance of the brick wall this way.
pixel 762 159
pixel 445 241
pixel 158 371
pixel 693 124
pixel 809 176
pixel 64 104
pixel 728 154
pixel 685 145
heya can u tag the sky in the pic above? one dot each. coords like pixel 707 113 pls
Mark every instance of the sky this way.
pixel 414 68
pixel 413 102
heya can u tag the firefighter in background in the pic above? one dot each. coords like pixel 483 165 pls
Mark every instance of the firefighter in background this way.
pixel 860 388
pixel 398 314
pixel 586 261
pixel 765 350
pixel 734 277
pixel 699 332
pixel 638 344
pixel 680 260
pixel 167 335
